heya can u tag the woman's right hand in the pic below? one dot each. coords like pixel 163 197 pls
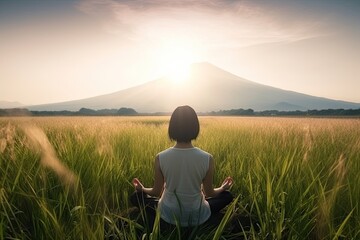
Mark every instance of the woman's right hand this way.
pixel 227 183
pixel 137 184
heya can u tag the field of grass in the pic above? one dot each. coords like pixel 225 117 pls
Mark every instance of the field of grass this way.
pixel 68 177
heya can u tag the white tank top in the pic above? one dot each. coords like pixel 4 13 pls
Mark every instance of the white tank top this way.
pixel 182 200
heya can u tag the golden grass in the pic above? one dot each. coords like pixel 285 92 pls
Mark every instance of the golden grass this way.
pixel 297 176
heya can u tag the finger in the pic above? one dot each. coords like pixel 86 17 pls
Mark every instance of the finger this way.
pixel 135 182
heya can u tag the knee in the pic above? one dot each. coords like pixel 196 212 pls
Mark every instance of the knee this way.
pixel 136 197
pixel 227 196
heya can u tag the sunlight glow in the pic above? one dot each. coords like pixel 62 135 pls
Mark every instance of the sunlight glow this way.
pixel 174 61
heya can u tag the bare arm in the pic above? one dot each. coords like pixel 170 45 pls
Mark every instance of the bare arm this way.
pixel 208 182
pixel 157 189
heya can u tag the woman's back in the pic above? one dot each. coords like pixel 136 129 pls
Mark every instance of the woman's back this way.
pixel 184 170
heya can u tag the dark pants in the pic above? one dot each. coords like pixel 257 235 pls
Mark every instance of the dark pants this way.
pixel 149 204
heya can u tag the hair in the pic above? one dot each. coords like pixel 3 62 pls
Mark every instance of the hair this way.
pixel 184 124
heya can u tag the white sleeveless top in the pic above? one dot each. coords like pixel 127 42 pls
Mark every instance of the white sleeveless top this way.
pixel 182 201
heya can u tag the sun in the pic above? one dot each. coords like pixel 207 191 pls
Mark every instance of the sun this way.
pixel 174 61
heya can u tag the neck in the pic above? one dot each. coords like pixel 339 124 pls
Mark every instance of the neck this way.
pixel 183 145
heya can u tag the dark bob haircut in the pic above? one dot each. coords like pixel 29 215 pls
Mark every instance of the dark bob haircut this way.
pixel 184 124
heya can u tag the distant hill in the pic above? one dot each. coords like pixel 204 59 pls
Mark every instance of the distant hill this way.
pixel 208 88
pixel 6 104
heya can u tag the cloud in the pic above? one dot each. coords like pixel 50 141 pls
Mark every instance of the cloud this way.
pixel 152 4
pixel 213 24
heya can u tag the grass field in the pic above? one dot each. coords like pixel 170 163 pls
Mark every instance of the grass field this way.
pixel 67 177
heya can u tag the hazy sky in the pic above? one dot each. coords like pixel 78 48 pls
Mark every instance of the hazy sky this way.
pixel 52 51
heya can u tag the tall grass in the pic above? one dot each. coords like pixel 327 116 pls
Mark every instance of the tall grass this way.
pixel 298 177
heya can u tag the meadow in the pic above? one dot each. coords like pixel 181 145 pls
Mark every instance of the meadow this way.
pixel 68 177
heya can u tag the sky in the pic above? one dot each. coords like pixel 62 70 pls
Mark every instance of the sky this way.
pixel 54 51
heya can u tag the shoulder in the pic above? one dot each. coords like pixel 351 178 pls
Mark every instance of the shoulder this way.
pixel 164 152
pixel 200 151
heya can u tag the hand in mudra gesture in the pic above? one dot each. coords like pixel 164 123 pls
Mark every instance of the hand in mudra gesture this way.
pixel 227 183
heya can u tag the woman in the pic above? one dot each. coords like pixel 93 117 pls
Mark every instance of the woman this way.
pixel 183 178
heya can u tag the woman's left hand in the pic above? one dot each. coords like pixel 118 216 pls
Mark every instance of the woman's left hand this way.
pixel 137 184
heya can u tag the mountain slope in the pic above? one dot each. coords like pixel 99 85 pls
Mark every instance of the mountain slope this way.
pixel 6 104
pixel 208 88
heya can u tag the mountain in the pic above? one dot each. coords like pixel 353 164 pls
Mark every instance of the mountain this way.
pixel 208 88
pixel 6 104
